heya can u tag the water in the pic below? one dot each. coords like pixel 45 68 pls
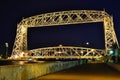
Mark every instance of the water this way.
pixel 16 62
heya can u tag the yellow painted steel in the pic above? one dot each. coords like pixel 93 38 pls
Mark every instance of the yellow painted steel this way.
pixel 64 18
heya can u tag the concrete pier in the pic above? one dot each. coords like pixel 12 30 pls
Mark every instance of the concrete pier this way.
pixel 30 71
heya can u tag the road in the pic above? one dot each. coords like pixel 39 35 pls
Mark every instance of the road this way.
pixel 84 72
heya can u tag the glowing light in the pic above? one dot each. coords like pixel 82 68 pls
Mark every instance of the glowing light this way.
pixel 29 59
pixel 22 54
pixel 111 52
pixel 15 56
pixel 81 51
pixel 92 50
pixel 60 45
pixel 59 52
pixel 87 43
pixel 6 44
pixel 21 62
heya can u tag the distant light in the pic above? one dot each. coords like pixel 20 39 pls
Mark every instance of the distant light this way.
pixel 111 52
pixel 87 43
pixel 60 45
pixel 6 44
pixel 29 59
pixel 59 52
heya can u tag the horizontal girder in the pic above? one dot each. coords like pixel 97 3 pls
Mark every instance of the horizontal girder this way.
pixel 66 57
pixel 66 52
pixel 64 17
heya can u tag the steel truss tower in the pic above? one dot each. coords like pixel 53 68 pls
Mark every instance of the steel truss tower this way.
pixel 64 18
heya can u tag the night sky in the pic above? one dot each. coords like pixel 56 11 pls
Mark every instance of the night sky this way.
pixel 12 12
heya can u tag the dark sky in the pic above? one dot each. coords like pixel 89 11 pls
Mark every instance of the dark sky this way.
pixel 12 12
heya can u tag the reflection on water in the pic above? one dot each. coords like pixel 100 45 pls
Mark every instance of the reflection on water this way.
pixel 17 62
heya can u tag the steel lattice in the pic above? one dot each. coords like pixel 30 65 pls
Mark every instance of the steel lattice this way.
pixel 65 18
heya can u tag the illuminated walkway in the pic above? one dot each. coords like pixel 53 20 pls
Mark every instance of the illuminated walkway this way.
pixel 85 72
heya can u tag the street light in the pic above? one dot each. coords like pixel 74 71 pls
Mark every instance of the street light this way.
pixel 6 47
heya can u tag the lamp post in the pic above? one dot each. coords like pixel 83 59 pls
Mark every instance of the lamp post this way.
pixel 6 50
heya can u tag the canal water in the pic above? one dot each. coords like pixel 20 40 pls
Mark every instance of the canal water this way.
pixel 17 62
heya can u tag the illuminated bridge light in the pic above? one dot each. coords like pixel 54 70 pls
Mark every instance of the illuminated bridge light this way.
pixel 111 52
pixel 60 45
